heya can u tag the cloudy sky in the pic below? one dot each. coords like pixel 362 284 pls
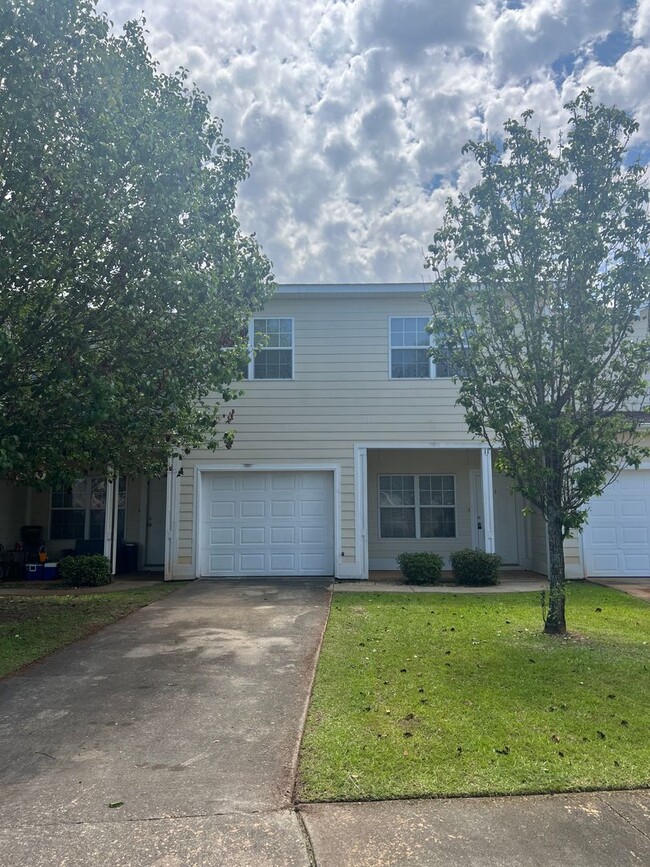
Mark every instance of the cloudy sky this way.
pixel 355 111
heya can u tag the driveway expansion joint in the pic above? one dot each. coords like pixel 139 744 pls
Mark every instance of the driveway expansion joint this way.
pixel 625 819
pixel 311 854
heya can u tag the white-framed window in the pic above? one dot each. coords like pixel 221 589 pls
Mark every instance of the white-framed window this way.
pixel 409 350
pixel 79 512
pixel 274 358
pixel 417 507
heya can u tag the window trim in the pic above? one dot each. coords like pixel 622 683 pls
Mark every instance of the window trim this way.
pixel 251 343
pixel 433 367
pixel 417 506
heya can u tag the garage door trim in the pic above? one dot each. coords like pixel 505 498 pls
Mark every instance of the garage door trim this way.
pixel 335 469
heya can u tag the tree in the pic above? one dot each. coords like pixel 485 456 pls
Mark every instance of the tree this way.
pixel 126 283
pixel 539 275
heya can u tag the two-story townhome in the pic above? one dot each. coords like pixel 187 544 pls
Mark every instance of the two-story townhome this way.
pixel 349 449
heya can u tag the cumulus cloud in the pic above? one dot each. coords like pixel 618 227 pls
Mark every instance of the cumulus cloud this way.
pixel 527 38
pixel 355 111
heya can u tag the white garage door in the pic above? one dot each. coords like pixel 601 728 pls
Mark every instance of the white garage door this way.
pixel 267 523
pixel 617 537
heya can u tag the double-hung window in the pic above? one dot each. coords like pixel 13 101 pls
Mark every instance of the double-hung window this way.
pixel 273 348
pixel 417 507
pixel 80 511
pixel 409 350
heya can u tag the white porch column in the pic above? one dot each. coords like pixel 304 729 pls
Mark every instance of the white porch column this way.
pixel 488 499
pixel 116 509
pixel 108 522
pixel 171 520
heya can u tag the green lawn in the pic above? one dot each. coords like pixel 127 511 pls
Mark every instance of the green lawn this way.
pixel 33 626
pixel 442 695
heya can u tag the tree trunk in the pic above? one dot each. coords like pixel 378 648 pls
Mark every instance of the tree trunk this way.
pixel 555 623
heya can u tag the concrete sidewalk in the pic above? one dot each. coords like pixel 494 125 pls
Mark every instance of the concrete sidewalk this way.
pixel 582 830
pixel 168 738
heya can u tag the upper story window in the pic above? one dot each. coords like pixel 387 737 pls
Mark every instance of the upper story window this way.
pixel 274 360
pixel 409 350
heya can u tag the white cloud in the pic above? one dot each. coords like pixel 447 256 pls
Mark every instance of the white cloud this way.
pixel 355 111
pixel 539 32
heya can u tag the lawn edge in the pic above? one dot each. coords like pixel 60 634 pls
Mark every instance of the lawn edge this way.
pixel 93 631
pixel 295 761
pixel 479 795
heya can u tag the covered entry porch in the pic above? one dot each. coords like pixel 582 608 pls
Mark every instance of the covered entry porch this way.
pixel 442 498
pixel 123 519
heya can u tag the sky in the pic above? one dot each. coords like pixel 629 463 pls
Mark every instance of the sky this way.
pixel 355 111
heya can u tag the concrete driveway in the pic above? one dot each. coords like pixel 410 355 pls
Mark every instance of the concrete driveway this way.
pixel 169 738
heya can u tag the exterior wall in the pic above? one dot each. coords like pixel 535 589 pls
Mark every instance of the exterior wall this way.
pixel 456 462
pixel 13 502
pixel 573 565
pixel 341 395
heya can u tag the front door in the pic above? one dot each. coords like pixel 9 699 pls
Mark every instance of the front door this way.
pixel 507 514
pixel 156 507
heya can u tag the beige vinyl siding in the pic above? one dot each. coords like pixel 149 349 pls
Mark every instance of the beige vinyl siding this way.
pixel 457 462
pixel 341 394
pixel 572 557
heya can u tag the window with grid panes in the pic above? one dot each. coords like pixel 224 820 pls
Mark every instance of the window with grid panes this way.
pixel 417 507
pixel 274 358
pixel 409 350
pixel 80 511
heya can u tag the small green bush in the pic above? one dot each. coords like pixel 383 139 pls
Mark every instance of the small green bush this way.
pixel 86 570
pixel 422 567
pixel 474 568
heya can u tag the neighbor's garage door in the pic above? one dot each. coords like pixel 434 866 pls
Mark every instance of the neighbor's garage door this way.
pixel 617 536
pixel 267 523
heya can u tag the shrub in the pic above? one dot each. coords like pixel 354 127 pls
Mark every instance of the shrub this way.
pixel 422 567
pixel 475 568
pixel 86 570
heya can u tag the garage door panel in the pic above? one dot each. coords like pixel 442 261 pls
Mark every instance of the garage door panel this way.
pixel 636 563
pixel 222 536
pixel 312 508
pixel 634 535
pixel 607 536
pixel 222 482
pixel 313 536
pixel 252 535
pixel 219 510
pixel 252 508
pixel 616 538
pixel 283 536
pixel 218 563
pixel 633 509
pixel 254 482
pixel 283 483
pixel 252 564
pixel 283 564
pixel 601 508
pixel 283 509
pixel 309 562
pixel 268 523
